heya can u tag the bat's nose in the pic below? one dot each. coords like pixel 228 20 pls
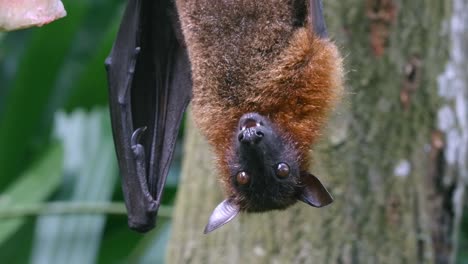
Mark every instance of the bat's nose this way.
pixel 251 128
pixel 251 135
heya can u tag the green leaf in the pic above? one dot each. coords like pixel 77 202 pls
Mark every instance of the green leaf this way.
pixel 37 184
pixel 91 86
pixel 62 208
pixel 154 247
pixel 29 95
pixel 90 176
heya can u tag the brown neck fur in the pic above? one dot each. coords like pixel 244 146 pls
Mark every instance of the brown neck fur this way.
pixel 250 56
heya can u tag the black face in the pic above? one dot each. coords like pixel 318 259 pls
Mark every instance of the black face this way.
pixel 264 169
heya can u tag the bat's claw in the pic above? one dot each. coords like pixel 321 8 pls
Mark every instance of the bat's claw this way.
pixel 142 219
pixel 137 135
pixel 108 63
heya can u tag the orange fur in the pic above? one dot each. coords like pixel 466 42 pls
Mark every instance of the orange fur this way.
pixel 247 56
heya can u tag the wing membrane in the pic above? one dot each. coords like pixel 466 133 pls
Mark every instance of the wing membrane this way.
pixel 149 88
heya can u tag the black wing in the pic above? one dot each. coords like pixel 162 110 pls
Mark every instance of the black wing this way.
pixel 149 88
pixel 316 18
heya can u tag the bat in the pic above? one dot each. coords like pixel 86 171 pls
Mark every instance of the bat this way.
pixel 262 77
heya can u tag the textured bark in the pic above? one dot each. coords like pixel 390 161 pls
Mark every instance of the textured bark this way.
pixel 387 154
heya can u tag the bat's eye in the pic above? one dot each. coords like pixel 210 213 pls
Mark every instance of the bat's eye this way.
pixel 282 170
pixel 242 178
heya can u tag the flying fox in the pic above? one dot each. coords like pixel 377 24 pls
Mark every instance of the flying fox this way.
pixel 262 76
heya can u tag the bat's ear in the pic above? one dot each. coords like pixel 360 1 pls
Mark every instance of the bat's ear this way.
pixel 222 214
pixel 313 192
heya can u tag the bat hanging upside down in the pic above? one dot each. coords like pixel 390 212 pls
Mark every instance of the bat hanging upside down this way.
pixel 262 77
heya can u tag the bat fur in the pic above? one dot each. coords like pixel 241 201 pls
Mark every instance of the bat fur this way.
pixel 252 56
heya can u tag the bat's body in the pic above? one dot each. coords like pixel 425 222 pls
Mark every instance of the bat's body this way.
pixel 259 57
pixel 264 77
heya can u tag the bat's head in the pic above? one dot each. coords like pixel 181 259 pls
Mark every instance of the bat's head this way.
pixel 265 173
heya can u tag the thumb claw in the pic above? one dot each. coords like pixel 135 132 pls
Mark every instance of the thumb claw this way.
pixel 137 135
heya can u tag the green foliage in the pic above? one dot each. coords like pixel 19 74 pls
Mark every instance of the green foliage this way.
pixel 36 184
pixel 462 257
pixel 28 97
pixel 90 168
pixel 43 71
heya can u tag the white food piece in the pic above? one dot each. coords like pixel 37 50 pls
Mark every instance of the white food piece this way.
pixel 18 14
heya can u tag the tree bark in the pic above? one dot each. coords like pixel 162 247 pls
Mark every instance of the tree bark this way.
pixel 394 155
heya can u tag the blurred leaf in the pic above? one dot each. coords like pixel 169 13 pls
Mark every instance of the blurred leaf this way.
pixel 62 208
pixel 154 246
pixel 34 80
pixel 90 175
pixel 81 81
pixel 34 185
pixel 150 248
pixel 118 241
pixel 19 254
pixel 91 86
pixel 120 244
pixel 462 257
pixel 11 49
pixel 55 65
pixel 61 66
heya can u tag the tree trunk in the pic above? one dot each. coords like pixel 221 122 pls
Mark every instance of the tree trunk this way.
pixel 394 155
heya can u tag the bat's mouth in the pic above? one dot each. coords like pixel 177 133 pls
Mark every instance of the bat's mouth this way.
pixel 249 123
pixel 251 120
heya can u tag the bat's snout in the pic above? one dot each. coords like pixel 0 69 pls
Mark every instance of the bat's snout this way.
pixel 250 136
pixel 251 128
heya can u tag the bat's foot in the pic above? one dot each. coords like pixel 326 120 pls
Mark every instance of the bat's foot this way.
pixel 140 162
pixel 144 220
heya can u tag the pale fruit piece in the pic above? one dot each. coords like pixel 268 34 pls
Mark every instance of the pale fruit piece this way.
pixel 17 14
